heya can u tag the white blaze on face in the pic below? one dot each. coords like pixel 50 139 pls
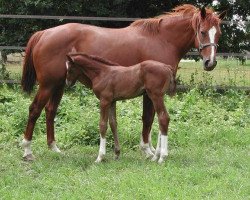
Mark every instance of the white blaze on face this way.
pixel 211 34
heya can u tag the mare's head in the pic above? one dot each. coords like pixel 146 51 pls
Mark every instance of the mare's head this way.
pixel 73 71
pixel 206 25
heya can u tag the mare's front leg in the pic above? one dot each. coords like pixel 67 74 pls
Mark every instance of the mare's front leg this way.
pixel 163 119
pixel 50 109
pixel 104 113
pixel 113 126
pixel 147 120
pixel 35 109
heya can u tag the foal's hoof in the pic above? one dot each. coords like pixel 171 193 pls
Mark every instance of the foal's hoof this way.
pixel 98 160
pixel 28 157
pixel 117 157
pixel 117 153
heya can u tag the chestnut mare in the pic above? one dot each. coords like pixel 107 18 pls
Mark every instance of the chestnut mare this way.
pixel 166 38
pixel 111 82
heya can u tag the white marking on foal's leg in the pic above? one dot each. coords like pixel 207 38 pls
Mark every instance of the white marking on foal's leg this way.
pixel 211 34
pixel 164 148
pixel 158 148
pixel 102 150
pixel 26 144
pixel 54 147
pixel 145 147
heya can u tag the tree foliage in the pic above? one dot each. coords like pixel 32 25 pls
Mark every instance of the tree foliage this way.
pixel 17 31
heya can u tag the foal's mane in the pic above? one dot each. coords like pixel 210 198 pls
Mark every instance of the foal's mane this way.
pixel 151 25
pixel 96 58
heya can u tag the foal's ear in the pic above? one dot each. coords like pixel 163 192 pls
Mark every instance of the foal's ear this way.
pixel 223 14
pixel 203 12
pixel 70 59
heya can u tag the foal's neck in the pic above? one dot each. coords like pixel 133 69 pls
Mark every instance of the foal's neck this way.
pixel 90 67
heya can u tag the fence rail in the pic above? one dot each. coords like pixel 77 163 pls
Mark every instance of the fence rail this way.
pixel 125 19
pixel 188 54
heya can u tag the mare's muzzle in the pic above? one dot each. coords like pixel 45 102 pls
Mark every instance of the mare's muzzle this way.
pixel 208 64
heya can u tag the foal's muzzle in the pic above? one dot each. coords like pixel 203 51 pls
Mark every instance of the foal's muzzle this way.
pixel 68 83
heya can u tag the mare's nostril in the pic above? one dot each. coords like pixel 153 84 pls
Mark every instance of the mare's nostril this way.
pixel 215 62
pixel 206 63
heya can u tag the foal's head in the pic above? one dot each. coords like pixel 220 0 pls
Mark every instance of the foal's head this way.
pixel 73 71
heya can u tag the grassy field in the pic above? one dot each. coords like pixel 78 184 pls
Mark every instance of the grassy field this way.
pixel 228 72
pixel 208 140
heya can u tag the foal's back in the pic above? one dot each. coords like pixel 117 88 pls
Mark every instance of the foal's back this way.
pixel 128 82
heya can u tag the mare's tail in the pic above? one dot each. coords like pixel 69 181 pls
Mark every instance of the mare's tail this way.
pixel 29 74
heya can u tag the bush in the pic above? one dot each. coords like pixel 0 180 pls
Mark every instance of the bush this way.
pixel 207 116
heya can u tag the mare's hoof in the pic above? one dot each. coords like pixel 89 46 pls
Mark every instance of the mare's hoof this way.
pixel 154 158
pixel 53 147
pixel 149 156
pixel 28 157
pixel 162 159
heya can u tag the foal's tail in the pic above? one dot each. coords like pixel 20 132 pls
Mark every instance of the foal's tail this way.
pixel 29 74
pixel 172 85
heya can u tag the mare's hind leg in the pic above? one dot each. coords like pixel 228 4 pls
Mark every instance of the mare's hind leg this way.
pixel 104 107
pixel 113 126
pixel 50 109
pixel 35 109
pixel 163 119
pixel 147 119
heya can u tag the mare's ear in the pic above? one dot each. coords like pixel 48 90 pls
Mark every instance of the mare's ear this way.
pixel 223 14
pixel 70 59
pixel 203 12
pixel 159 23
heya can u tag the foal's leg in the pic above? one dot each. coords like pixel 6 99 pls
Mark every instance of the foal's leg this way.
pixel 104 107
pixel 50 109
pixel 163 118
pixel 113 126
pixel 35 109
pixel 147 119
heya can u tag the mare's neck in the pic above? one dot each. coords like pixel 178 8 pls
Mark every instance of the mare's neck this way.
pixel 178 33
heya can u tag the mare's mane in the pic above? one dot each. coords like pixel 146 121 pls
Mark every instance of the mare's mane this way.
pixel 151 25
pixel 96 58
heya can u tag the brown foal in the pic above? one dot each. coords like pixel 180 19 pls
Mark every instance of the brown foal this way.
pixel 111 82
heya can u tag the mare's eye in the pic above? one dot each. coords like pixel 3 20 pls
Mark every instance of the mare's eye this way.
pixel 203 33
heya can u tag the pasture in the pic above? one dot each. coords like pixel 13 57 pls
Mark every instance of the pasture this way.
pixel 208 142
pixel 228 72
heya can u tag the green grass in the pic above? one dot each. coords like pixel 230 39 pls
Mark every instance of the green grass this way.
pixel 228 72
pixel 208 142
pixel 193 172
